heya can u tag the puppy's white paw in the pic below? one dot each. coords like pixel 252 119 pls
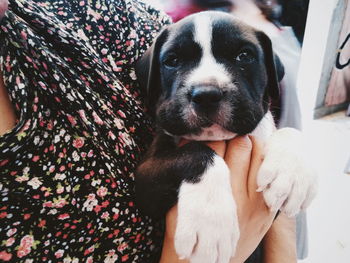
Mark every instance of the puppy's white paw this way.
pixel 207 226
pixel 288 182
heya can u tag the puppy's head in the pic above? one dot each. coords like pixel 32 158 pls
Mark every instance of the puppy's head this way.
pixel 209 76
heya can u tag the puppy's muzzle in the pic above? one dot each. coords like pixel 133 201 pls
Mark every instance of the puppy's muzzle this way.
pixel 206 98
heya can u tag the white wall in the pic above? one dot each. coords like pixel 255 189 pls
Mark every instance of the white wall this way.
pixel 318 53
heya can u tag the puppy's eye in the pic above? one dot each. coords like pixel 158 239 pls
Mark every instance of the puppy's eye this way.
pixel 171 61
pixel 245 56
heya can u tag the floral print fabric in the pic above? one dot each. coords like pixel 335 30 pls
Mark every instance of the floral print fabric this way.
pixel 66 169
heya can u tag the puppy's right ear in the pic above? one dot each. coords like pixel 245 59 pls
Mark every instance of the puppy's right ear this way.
pixel 273 65
pixel 148 73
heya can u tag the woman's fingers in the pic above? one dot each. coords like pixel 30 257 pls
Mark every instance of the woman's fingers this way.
pixel 218 146
pixel 256 161
pixel 237 157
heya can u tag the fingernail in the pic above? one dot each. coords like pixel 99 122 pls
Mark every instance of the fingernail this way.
pixel 245 137
pixel 260 189
pixel 273 209
pixel 243 142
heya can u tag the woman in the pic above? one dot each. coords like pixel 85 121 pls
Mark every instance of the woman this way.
pixel 73 130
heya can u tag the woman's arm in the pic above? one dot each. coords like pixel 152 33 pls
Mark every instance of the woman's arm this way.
pixel 280 241
pixel 8 118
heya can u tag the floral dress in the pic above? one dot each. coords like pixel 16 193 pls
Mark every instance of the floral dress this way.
pixel 66 169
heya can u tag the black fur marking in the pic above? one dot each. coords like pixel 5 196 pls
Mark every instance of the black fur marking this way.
pixel 159 176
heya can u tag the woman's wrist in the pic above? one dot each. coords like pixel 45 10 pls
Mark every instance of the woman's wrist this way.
pixel 280 241
pixel 168 252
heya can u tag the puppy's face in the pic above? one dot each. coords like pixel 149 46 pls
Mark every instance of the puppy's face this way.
pixel 210 77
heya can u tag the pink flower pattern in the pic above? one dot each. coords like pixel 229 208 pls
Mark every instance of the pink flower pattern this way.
pixel 66 169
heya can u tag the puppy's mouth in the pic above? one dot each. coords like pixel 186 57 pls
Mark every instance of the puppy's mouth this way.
pixel 214 132
pixel 208 116
pixel 200 125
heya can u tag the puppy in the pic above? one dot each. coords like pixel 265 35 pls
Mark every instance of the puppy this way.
pixel 211 77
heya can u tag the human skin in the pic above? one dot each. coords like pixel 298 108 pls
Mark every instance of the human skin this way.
pixel 8 118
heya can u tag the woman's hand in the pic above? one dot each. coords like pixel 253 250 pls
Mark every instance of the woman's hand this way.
pixel 255 218
pixel 243 156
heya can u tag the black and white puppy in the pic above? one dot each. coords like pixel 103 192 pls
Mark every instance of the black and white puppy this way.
pixel 211 77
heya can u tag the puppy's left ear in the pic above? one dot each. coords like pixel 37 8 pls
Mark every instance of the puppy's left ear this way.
pixel 273 65
pixel 148 74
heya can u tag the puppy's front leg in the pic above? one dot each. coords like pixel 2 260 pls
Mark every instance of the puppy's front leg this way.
pixel 199 180
pixel 207 217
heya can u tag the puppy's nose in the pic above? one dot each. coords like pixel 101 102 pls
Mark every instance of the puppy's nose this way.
pixel 206 96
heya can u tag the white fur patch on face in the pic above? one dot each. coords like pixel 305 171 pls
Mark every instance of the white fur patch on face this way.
pixel 212 133
pixel 209 70
pixel 207 228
